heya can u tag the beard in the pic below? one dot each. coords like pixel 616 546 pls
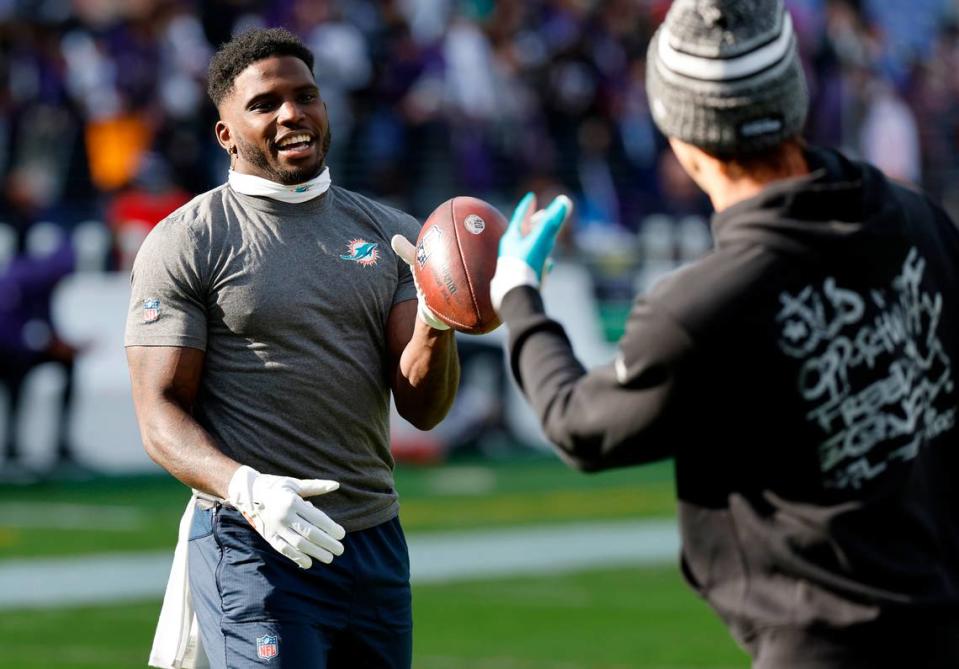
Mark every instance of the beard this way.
pixel 259 158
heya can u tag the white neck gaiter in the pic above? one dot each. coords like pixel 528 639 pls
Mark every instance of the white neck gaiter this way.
pixel 249 184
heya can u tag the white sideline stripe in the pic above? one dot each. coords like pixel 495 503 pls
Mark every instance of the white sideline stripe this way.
pixel 92 579
pixel 541 549
pixel 71 516
pixel 435 558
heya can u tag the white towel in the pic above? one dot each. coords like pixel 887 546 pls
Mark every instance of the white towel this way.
pixel 176 644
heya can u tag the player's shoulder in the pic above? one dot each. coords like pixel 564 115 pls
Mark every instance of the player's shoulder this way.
pixel 197 213
pixel 915 201
pixel 189 223
pixel 718 286
pixel 377 212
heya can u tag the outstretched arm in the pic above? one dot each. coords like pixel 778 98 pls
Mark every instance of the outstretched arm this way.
pixel 618 414
pixel 614 415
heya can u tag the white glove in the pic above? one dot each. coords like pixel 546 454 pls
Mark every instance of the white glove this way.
pixel 405 250
pixel 275 507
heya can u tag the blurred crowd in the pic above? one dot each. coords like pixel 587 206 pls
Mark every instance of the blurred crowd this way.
pixel 103 111
pixel 104 117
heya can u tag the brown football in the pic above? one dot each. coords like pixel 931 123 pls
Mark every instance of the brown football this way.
pixel 455 260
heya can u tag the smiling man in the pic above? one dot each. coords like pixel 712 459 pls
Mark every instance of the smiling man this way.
pixel 269 322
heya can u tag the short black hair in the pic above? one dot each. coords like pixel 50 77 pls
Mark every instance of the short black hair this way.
pixel 244 50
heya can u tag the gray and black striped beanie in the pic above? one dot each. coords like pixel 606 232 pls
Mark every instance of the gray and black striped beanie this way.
pixel 724 75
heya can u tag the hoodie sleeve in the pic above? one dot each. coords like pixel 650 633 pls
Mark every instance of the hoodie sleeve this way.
pixel 622 413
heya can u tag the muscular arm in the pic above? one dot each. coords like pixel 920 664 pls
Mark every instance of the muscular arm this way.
pixel 165 381
pixel 615 415
pixel 425 370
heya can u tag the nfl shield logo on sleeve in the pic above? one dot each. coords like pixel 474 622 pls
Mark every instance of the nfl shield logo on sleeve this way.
pixel 151 310
pixel 267 647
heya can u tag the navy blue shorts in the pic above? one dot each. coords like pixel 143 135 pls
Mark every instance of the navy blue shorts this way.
pixel 256 608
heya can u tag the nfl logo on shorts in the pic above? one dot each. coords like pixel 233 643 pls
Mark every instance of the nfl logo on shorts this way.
pixel 267 647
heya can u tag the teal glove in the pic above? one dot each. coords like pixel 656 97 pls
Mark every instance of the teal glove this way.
pixel 523 258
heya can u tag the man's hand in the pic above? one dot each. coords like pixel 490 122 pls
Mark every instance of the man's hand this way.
pixel 405 250
pixel 523 257
pixel 276 508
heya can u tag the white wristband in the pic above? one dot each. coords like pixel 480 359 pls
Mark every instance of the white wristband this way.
pixel 510 273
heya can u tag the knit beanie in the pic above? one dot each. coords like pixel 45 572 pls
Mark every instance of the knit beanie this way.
pixel 725 76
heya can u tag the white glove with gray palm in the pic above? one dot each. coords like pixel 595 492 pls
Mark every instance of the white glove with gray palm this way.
pixel 276 508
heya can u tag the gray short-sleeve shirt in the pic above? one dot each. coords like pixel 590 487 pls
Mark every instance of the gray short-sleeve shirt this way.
pixel 290 304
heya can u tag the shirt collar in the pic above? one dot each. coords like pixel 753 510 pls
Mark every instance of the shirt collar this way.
pixel 249 184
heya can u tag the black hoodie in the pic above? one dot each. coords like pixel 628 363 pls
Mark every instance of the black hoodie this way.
pixel 801 377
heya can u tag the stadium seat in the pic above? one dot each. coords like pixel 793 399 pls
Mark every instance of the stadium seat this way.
pixel 44 238
pixel 89 310
pixel 8 243
pixel 91 241
pixel 130 237
pixel 657 238
pixel 693 238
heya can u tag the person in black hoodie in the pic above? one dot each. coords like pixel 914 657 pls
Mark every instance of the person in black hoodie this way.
pixel 800 375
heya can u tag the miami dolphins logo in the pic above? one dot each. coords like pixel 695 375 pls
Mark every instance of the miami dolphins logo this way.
pixel 363 252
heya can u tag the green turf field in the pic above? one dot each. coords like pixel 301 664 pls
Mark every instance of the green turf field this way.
pixel 636 618
pixel 604 619
pixel 142 513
